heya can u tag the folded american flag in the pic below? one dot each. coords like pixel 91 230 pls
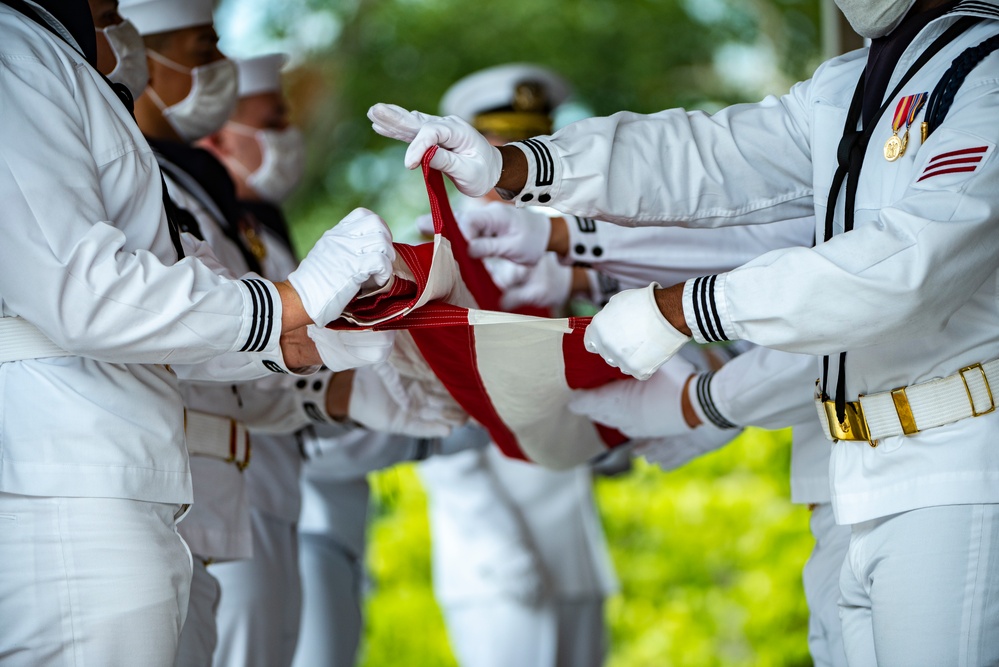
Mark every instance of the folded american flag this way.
pixel 511 372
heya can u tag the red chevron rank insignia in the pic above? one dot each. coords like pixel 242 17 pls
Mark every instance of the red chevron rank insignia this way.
pixel 954 162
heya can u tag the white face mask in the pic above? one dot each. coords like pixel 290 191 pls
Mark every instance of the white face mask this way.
pixel 209 104
pixel 283 162
pixel 130 52
pixel 874 18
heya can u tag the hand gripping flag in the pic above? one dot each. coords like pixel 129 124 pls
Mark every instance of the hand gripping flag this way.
pixel 512 372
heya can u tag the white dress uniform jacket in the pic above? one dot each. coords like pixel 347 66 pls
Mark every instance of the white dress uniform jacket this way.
pixel 88 260
pixel 911 292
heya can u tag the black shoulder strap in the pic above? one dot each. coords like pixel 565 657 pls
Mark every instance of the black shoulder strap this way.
pixel 850 156
pixel 946 89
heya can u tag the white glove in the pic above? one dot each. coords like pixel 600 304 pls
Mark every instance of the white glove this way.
pixel 463 154
pixel 546 284
pixel 631 333
pixel 650 409
pixel 502 230
pixel 341 350
pixel 425 224
pixel 382 400
pixel 357 249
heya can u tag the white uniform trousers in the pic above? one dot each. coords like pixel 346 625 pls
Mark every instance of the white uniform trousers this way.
pixel 921 589
pixel 501 632
pixel 332 622
pixel 200 634
pixel 261 598
pixel 821 583
pixel 90 581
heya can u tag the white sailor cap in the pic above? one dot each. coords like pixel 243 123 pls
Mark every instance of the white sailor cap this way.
pixel 513 101
pixel 260 74
pixel 151 17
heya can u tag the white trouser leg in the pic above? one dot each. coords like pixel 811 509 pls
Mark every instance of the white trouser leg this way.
pixel 821 583
pixel 582 633
pixel 90 581
pixel 331 624
pixel 198 638
pixel 502 632
pixel 261 599
pixel 921 588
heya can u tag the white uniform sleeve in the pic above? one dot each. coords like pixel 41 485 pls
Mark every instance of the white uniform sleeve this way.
pixel 749 163
pixel 900 275
pixel 670 255
pixel 762 387
pixel 67 269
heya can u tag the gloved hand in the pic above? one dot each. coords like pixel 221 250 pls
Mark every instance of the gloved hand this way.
pixel 357 249
pixel 463 154
pixel 631 333
pixel 650 409
pixel 383 400
pixel 546 284
pixel 341 350
pixel 502 230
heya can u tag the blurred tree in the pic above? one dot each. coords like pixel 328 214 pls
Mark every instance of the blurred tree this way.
pixel 639 55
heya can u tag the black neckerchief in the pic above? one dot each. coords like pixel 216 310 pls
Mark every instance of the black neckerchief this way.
pixel 850 156
pixel 886 51
pixel 211 175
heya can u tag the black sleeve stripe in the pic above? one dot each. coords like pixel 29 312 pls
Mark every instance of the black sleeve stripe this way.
pixel 266 315
pixel 702 286
pixel 977 7
pixel 714 308
pixel 270 316
pixel 546 165
pixel 697 308
pixel 586 225
pixel 255 319
pixel 706 309
pixel 263 316
pixel 708 404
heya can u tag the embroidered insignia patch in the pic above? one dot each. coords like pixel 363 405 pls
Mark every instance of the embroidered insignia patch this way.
pixel 954 162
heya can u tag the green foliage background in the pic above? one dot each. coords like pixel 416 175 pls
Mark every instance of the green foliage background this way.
pixel 709 558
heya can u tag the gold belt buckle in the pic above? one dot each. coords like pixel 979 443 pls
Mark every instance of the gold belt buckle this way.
pixel 988 388
pixel 853 427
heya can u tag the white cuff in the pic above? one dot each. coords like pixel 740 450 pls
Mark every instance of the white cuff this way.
pixel 699 393
pixel 705 311
pixel 544 172
pixel 585 246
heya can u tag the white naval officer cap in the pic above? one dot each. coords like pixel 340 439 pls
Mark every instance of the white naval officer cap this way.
pixel 151 17
pixel 514 101
pixel 260 74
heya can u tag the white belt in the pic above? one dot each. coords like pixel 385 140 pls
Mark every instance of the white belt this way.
pixel 20 340
pixel 909 410
pixel 218 437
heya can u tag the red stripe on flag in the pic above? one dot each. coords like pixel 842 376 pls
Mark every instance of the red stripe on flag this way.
pixel 966 151
pixel 450 352
pixel 473 271
pixel 610 436
pixel 583 369
pixel 952 170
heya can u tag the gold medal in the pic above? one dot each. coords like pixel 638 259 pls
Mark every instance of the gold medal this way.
pixel 905 113
pixel 893 148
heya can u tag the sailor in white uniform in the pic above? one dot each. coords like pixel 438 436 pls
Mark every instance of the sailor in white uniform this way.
pixel 898 294
pixel 520 566
pixel 93 306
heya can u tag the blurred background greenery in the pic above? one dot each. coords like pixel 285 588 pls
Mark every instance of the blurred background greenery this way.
pixel 709 556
